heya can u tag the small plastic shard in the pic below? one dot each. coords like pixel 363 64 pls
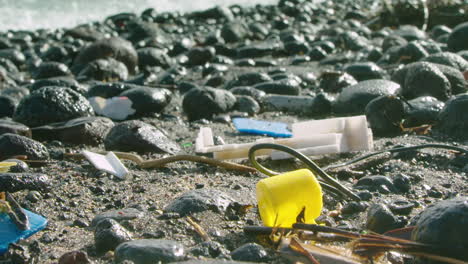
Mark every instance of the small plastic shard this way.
pixel 5 166
pixel 272 129
pixel 109 163
pixel 117 108
pixel 10 233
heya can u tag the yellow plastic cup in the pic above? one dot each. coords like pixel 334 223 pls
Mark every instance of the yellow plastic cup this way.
pixel 282 198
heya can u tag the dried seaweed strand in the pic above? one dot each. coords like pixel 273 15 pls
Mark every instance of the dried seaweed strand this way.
pixel 198 229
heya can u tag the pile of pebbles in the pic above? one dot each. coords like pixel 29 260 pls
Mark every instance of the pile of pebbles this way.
pixel 292 61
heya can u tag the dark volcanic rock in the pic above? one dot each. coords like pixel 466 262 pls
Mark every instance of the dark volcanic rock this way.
pixel 376 183
pixel 251 252
pixel 12 145
pixel 458 39
pixel 453 119
pixel 200 56
pixel 83 130
pixel 106 70
pixel 248 79
pixel 51 69
pixel 118 215
pixel 149 251
pixel 425 79
pixel 140 137
pixel 67 82
pixel 422 110
pixel 365 71
pixel 15 92
pixel 108 90
pixel 444 224
pixel 449 59
pixel 334 82
pixel 249 91
pixel 385 114
pixel 147 100
pixel 13 182
pixel 153 57
pixel 354 98
pixel 380 219
pixel 115 47
pixel 109 234
pixel 245 103
pixel 198 201
pixel 7 106
pixel 50 105
pixel 206 102
pixel 284 86
pixel 8 126
pixel 74 257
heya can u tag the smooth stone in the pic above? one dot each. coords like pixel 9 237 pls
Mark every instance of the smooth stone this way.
pixel 245 103
pixel 234 31
pixel 458 39
pixel 257 50
pixel 250 252
pixel 455 77
pixel 13 144
pixel 147 100
pixel 401 207
pixel 108 90
pixel 354 207
pixel 149 251
pixel 385 114
pixel 200 55
pixel 334 82
pixel 105 70
pixel 448 58
pixel 199 200
pixel 354 99
pixel 380 219
pixel 50 105
pixel 115 47
pixel 248 79
pixel 118 215
pixel 7 106
pixel 15 92
pixel 249 91
pixel 288 103
pixel 422 110
pixel 67 82
pixel 13 182
pixel 83 130
pixel 283 87
pixel 151 57
pixel 217 12
pixel 444 223
pixel 411 52
pixel 209 249
pixel 374 183
pixel 362 71
pixel 51 69
pixel 14 55
pixel 425 79
pixel 74 257
pixel 453 118
pixel 108 234
pixel 139 136
pixel 9 126
pixel 206 102
pixel 402 183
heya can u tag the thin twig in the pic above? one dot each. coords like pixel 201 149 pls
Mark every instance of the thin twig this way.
pixel 198 229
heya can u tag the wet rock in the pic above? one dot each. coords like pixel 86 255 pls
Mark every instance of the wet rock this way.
pixel 118 215
pixel 250 252
pixel 354 207
pixel 425 79
pixel 12 145
pixel 374 183
pixel 354 98
pixel 248 79
pixel 199 200
pixel 200 56
pixel 365 71
pixel 380 219
pixel 51 69
pixel 458 39
pixel 13 182
pixel 67 82
pixel 50 105
pixel 15 92
pixel 353 41
pixel 206 102
pixel 453 119
pixel 109 234
pixel 410 32
pixel 117 48
pixel 335 81
pixel 83 130
pixel 448 58
pixel 74 257
pixel 234 31
pixel 148 251
pixel 288 103
pixel 385 114
pixel 150 57
pixel 444 224
pixel 249 91
pixel 285 87
pixel 455 77
pixel 321 105
pixel 422 110
pixel 257 50
pixel 217 12
pixel 411 52
pixel 7 106
pixel 392 41
pixel 139 136
pixel 317 53
pixel 106 70
pixel 9 66
pixel 8 126
pixel 16 56
pixel 85 32
pixel 245 103
pixel 147 100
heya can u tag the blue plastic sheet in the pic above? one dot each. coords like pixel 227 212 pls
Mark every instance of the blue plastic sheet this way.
pixel 272 129
pixel 9 233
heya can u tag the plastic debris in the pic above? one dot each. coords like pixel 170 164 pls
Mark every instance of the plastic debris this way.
pixel 117 108
pixel 273 129
pixel 315 137
pixel 5 166
pixel 109 163
pixel 10 233
pixel 289 198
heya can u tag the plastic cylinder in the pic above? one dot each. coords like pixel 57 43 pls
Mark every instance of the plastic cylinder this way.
pixel 282 198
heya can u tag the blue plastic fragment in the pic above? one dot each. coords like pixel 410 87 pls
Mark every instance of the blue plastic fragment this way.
pixel 9 233
pixel 273 129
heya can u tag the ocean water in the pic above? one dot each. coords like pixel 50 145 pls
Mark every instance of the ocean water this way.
pixel 35 14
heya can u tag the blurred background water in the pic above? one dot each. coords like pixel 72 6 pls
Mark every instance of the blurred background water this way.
pixel 35 14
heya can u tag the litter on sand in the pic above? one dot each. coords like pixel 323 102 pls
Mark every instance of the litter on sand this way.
pixel 314 137
pixel 117 108
pixel 109 163
pixel 260 127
